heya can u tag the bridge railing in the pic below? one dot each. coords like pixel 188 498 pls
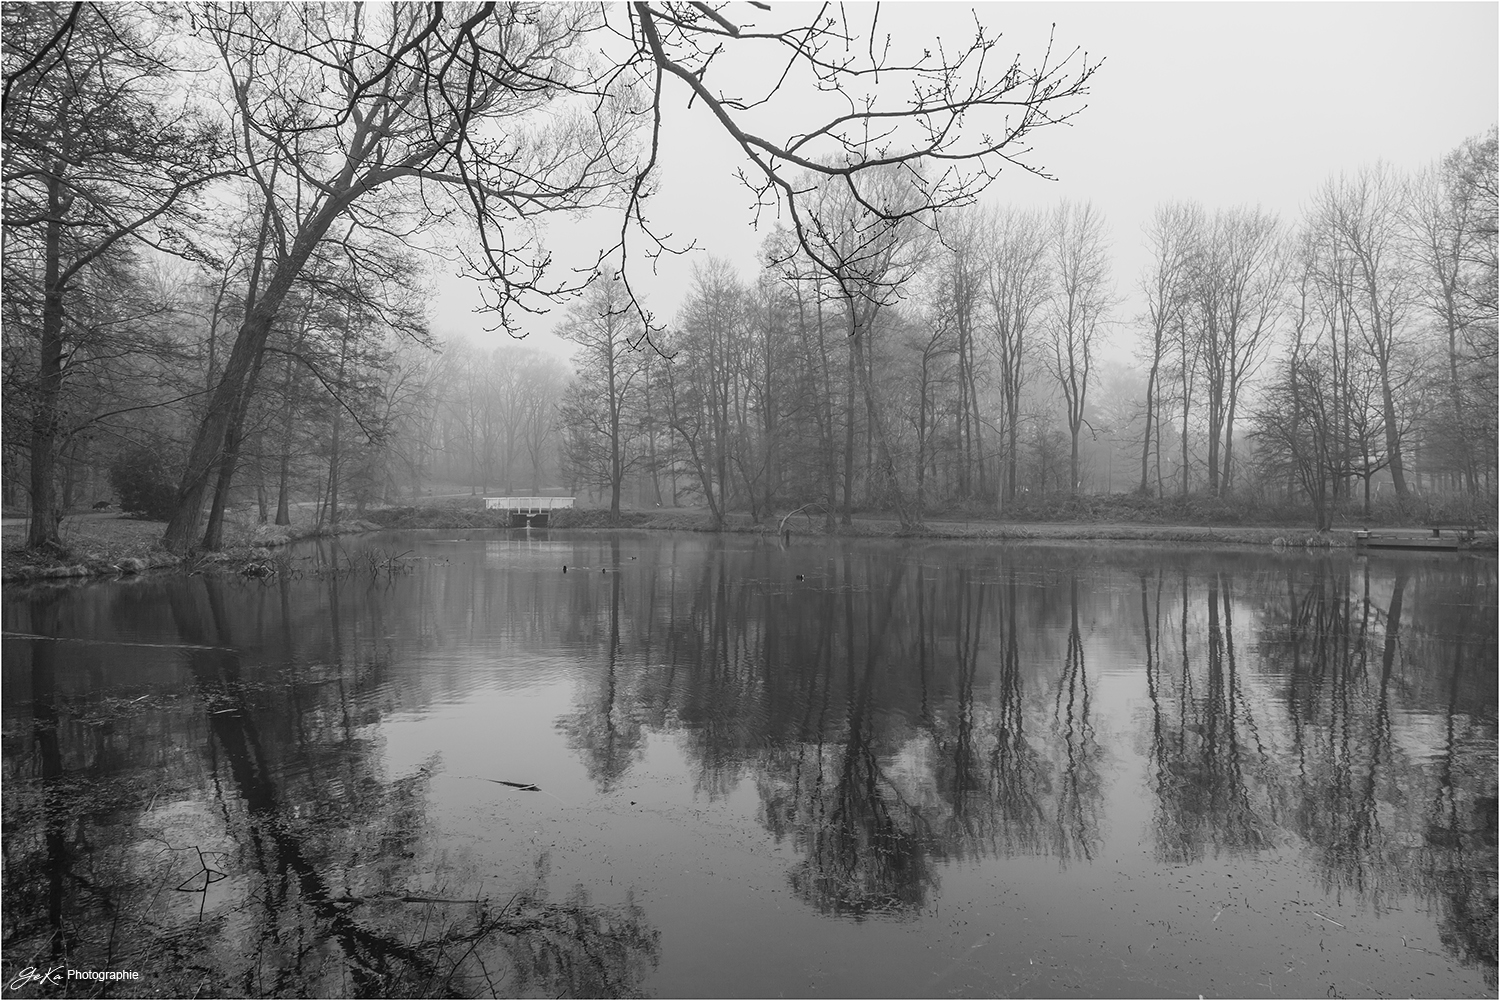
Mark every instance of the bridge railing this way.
pixel 527 505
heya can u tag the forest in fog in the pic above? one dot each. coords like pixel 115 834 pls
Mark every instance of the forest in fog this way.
pixel 219 225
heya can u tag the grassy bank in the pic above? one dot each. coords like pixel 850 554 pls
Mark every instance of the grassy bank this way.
pixel 108 545
pixel 870 526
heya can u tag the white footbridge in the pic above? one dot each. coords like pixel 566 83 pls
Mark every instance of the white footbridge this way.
pixel 528 512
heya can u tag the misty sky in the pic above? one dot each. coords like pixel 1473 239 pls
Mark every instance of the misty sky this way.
pixel 1226 103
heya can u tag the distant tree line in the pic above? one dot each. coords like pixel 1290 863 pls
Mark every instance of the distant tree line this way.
pixel 958 365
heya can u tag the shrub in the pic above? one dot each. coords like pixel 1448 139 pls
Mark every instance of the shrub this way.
pixel 143 484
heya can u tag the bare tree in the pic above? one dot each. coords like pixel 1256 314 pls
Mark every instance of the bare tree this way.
pixel 1080 301
pixel 1018 281
pixel 604 400
pixel 1363 215
pixel 1296 423
pixel 333 103
pixel 1237 291
pixel 932 347
pixel 870 256
pixel 706 376
pixel 1172 238
pixel 101 153
pixel 1453 211
pixel 541 381
pixel 818 353
pixel 962 277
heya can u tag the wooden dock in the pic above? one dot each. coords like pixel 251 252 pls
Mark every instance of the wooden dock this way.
pixel 528 512
pixel 1434 538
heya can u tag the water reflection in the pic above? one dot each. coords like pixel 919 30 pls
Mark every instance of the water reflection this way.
pixel 891 712
pixel 230 830
pixel 893 715
pixel 1212 774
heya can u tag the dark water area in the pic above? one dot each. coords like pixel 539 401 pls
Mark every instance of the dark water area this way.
pixel 698 766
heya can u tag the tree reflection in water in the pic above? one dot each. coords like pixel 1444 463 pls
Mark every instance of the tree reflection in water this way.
pixel 883 717
pixel 1019 780
pixel 606 729
pixel 892 714
pixel 1458 855
pixel 1213 778
pixel 866 849
pixel 333 888
pixel 1336 780
pixel 1076 830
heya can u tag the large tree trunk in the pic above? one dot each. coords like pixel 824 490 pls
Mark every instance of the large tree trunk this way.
pixel 45 515
pixel 213 535
pixel 1456 396
pixel 213 433
pixel 212 438
pixel 1073 482
pixel 1392 434
pixel 1215 425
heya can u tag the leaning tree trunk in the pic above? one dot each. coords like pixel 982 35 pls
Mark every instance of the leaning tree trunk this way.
pixel 213 433
pixel 213 535
pixel 1392 435
pixel 210 444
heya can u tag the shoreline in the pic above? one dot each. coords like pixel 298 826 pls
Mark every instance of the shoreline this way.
pixel 251 553
pixel 250 550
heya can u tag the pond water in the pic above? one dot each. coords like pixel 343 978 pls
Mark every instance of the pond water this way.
pixel 710 766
